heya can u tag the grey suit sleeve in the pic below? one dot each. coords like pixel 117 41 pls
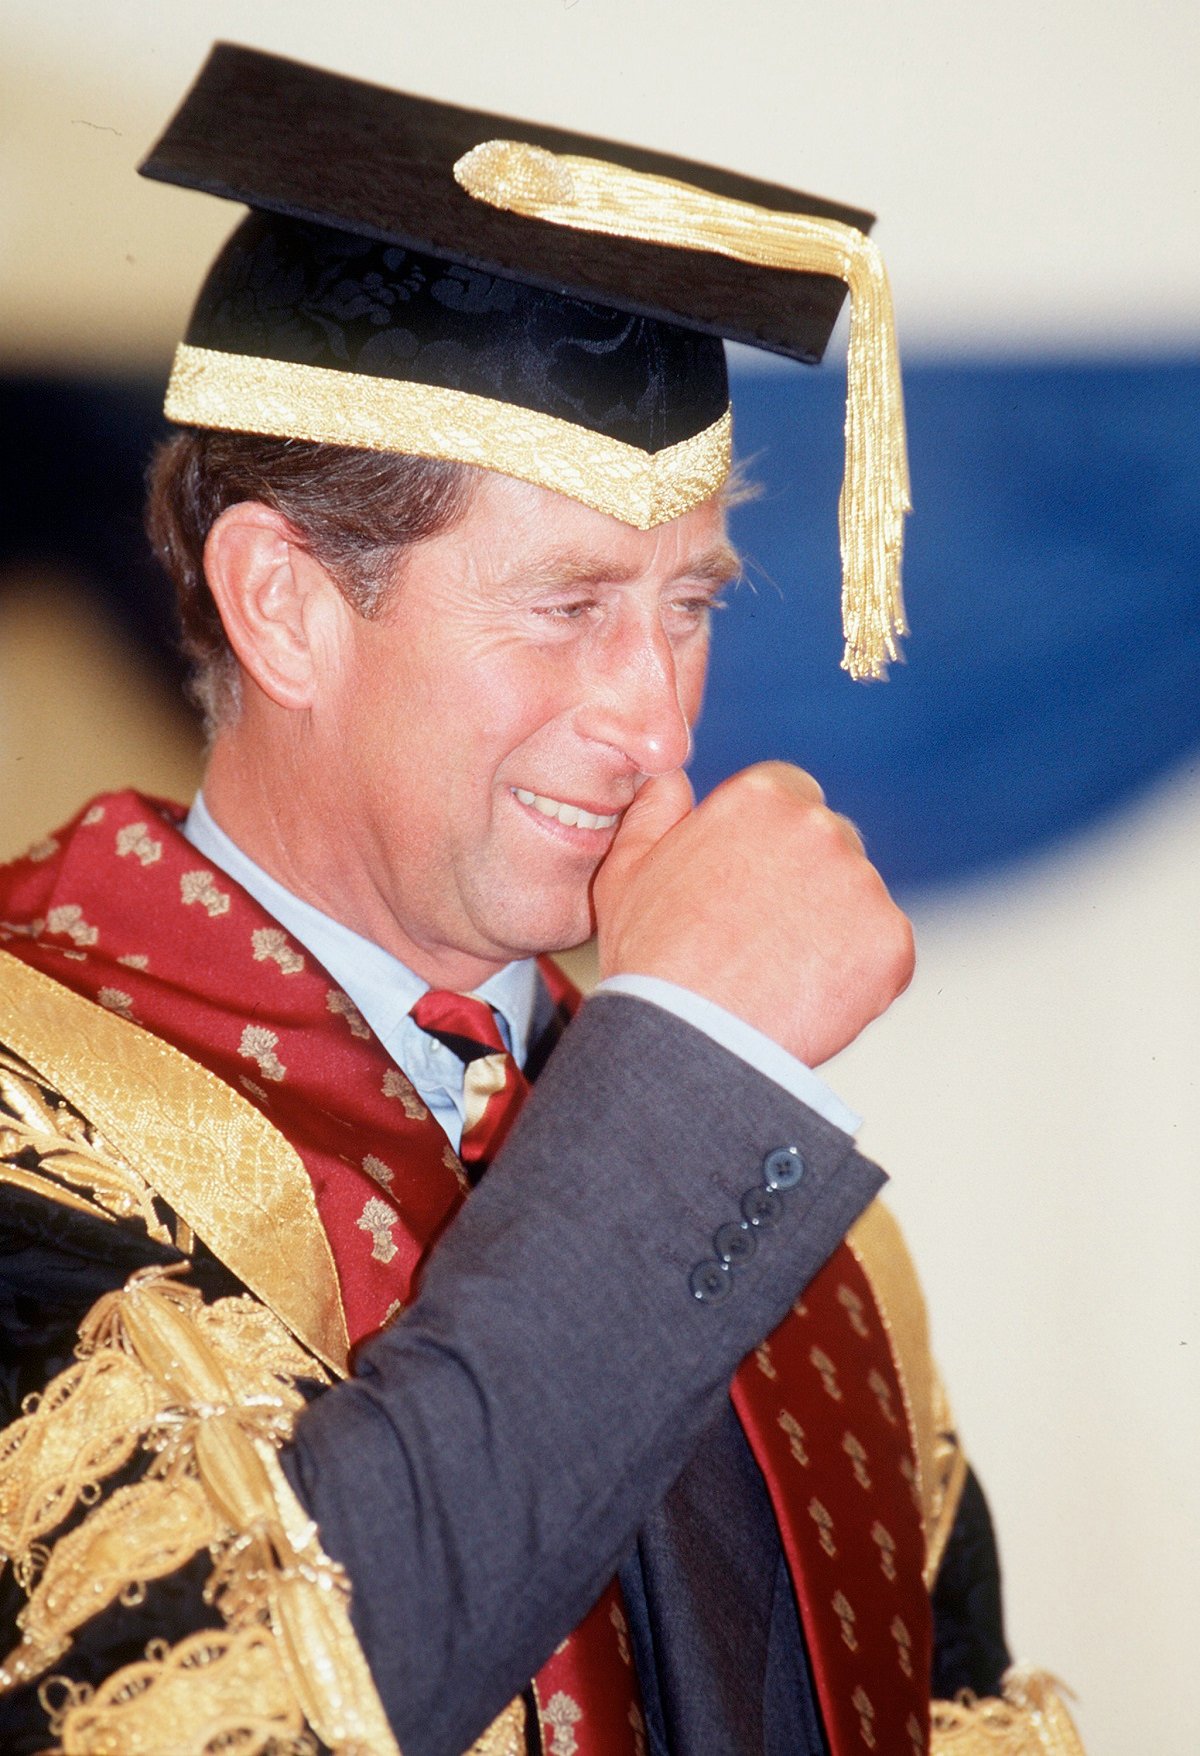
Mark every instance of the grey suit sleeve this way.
pixel 486 1470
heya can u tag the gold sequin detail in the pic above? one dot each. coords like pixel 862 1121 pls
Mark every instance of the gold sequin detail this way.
pixel 277 397
pixel 506 1734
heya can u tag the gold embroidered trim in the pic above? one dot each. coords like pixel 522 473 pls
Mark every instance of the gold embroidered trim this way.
pixel 231 1685
pixel 210 1391
pixel 594 196
pixel 948 1477
pixel 17 1178
pixel 71 1153
pixel 882 1253
pixel 280 398
pixel 506 1734
pixel 1030 1720
pixel 215 1159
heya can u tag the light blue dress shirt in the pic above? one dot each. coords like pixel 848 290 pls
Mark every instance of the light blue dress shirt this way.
pixel 385 991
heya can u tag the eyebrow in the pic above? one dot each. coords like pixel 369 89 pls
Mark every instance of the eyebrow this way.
pixel 568 568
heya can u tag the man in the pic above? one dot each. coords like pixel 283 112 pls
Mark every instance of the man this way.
pixel 447 542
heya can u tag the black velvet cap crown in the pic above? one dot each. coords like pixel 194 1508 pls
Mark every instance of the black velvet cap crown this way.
pixel 362 254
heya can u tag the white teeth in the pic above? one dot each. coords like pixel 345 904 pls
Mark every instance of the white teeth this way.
pixel 572 815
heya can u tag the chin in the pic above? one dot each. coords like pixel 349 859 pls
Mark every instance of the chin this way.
pixel 559 925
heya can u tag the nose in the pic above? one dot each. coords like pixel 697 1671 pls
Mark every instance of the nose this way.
pixel 637 701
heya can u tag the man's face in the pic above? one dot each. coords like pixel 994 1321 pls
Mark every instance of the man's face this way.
pixel 482 738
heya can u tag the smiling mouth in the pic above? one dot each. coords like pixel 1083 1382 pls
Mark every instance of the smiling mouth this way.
pixel 573 816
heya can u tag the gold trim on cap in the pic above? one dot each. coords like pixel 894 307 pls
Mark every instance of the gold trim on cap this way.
pixel 278 398
pixel 592 195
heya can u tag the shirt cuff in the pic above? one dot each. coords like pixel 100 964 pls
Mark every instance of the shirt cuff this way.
pixel 741 1039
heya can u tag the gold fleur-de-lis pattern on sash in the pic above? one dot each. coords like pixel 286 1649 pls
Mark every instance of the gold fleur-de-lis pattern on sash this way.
pixel 795 1435
pixel 272 944
pixel 202 888
pixel 823 1520
pixel 852 1533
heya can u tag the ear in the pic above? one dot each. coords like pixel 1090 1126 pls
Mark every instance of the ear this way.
pixel 279 606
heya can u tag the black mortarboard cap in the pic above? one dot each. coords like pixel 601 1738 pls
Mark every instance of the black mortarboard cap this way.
pixel 369 299
pixel 306 144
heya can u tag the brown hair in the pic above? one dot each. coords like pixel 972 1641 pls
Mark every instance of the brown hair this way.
pixel 355 511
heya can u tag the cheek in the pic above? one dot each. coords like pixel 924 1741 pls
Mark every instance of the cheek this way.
pixel 520 695
pixel 693 669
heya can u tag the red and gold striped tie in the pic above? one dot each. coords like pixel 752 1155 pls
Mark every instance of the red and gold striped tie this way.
pixel 494 1088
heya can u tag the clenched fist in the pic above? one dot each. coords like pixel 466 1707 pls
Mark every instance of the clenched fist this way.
pixel 761 899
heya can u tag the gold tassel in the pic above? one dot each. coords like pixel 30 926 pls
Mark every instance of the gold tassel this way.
pixel 594 196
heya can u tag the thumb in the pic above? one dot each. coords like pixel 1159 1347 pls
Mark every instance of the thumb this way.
pixel 660 803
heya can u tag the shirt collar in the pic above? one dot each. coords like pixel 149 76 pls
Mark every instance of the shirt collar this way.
pixel 383 989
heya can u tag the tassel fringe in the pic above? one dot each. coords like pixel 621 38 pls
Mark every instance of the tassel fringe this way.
pixel 594 196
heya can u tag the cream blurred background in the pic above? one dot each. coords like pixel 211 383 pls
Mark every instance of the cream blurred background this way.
pixel 1035 1095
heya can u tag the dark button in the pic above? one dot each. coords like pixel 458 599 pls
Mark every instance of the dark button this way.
pixel 762 1208
pixel 735 1242
pixel 710 1281
pixel 783 1168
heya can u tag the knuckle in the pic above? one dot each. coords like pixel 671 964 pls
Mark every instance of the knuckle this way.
pixel 904 949
pixel 776 778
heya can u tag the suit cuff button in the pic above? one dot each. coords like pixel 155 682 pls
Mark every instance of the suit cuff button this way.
pixel 762 1208
pixel 710 1282
pixel 734 1242
pixel 783 1168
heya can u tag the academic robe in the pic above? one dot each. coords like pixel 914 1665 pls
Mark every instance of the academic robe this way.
pixel 554 1335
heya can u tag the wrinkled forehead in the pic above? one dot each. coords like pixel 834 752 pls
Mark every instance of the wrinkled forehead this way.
pixel 517 540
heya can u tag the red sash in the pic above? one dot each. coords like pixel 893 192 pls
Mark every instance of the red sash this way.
pixel 121 908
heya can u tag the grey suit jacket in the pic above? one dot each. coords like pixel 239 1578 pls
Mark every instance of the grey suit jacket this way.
pixel 489 1467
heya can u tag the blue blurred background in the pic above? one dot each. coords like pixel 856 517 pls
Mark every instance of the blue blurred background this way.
pixel 1052 578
